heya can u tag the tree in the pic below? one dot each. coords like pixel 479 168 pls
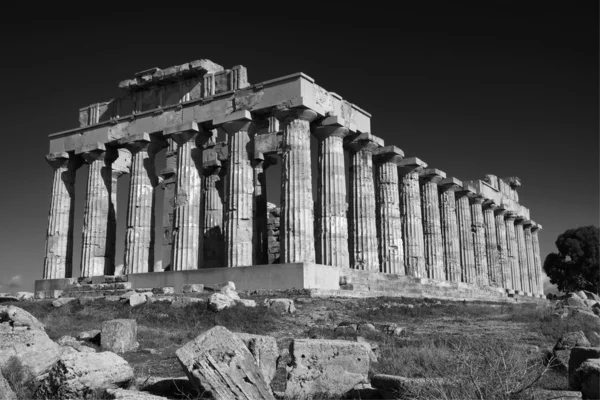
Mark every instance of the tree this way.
pixel 575 266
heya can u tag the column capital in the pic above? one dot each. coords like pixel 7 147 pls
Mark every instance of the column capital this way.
pixel 302 113
pixel 142 141
pixel 450 183
pixel 411 164
pixel 388 154
pixel 476 199
pixel 57 159
pixel 236 121
pixel 431 175
pixel 364 142
pixel 520 219
pixel 332 126
pixel 96 151
pixel 184 132
pixel 528 223
pixel 466 190
pixel 510 215
pixel 211 167
pixel 489 204
pixel 535 226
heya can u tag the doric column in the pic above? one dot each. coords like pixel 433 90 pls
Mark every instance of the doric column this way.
pixel 465 225
pixel 139 232
pixel 389 223
pixel 58 262
pixel 410 213
pixel 168 184
pixel 261 244
pixel 491 244
pixel 522 255
pixel 363 218
pixel 537 259
pixel 479 246
pixel 297 214
pixel 96 256
pixel 504 271
pixel 212 200
pixel 531 273
pixel 512 283
pixel 187 243
pixel 432 224
pixel 332 221
pixel 239 200
pixel 450 234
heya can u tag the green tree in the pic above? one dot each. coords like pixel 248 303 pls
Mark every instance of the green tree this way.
pixel 575 266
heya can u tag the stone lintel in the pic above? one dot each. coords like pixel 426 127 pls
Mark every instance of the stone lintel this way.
pixel 268 143
pixel 136 137
pixel 467 190
pixel 432 175
pixel 90 147
pixel 411 164
pixel 450 183
pixel 364 141
pixel 181 128
pixel 240 115
pixel 388 154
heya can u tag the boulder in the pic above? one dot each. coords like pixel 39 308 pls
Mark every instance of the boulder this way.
pixel 581 294
pixel 345 329
pixel 137 299
pixel 70 341
pixel 578 356
pixel 575 301
pixel 562 348
pixel 6 392
pixel 180 302
pixel 220 301
pixel 372 347
pixel 127 295
pixel 23 340
pixel 587 379
pixel 264 350
pixel 366 327
pixel 62 301
pixel 329 367
pixel 246 302
pixel 124 394
pixel 166 290
pixel 92 336
pixel 112 298
pixel 591 296
pixel 281 305
pixel 219 362
pixel 224 286
pixel 193 288
pixel 25 295
pixel 392 329
pixel 119 335
pixel 590 303
pixel 78 375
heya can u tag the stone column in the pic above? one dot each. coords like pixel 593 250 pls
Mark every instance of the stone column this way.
pixel 212 200
pixel 96 256
pixel 491 244
pixel 332 208
pixel 389 223
pixel 531 273
pixel 537 259
pixel 504 271
pixel 363 218
pixel 479 245
pixel 239 214
pixel 432 224
pixel 450 234
pixel 139 234
pixel 512 252
pixel 261 244
pixel 58 262
pixel 297 215
pixel 410 213
pixel 522 255
pixel 169 185
pixel 465 222
pixel 187 243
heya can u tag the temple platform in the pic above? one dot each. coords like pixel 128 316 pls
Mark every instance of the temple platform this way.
pixel 320 280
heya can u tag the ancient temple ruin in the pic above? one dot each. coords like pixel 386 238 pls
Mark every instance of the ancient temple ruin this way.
pixel 397 225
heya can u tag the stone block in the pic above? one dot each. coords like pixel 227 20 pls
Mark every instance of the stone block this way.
pixel 587 379
pixel 62 301
pixel 281 305
pixel 264 350
pixel 137 299
pixel 578 356
pixel 167 290
pixel 119 335
pixel 193 288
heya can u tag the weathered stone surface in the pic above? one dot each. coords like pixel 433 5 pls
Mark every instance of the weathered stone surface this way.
pixel 17 317
pixel 6 392
pixel 125 394
pixel 213 199
pixel 577 357
pixel 536 258
pixel 392 386
pixel 326 366
pixel 119 335
pixel 137 299
pixel 504 272
pixel 513 281
pixel 575 301
pixel 587 379
pixel 73 343
pixel 180 302
pixel 219 362
pixel 193 288
pixel 77 375
pixel 167 290
pixel 219 301
pixel 523 271
pixel 345 329
pixel 246 302
pixel 529 254
pixel 281 305
pixel 481 277
pixel 564 345
pixel 491 244
pixel 25 295
pixel 90 336
pixel 432 225
pixel 450 228
pixel 465 222
pixel 9 299
pixel 264 350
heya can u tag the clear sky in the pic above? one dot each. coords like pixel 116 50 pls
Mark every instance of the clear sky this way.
pixel 502 87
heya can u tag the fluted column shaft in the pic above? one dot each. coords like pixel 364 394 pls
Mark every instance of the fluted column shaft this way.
pixel 432 225
pixel 537 260
pixel 531 275
pixel 491 244
pixel 505 274
pixel 297 214
pixel 391 248
pixel 512 252
pixel 467 252
pixel 239 225
pixel 58 262
pixel 412 224
pixel 213 219
pixel 522 256
pixel 450 234
pixel 261 245
pixel 363 221
pixel 332 221
pixel 479 246
pixel 186 219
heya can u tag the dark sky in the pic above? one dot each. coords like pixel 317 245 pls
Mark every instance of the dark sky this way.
pixel 502 87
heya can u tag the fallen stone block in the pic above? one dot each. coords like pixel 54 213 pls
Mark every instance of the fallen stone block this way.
pixel 193 288
pixel 264 350
pixel 180 302
pixel 128 294
pixel 587 379
pixel 62 301
pixel 219 362
pixel 345 329
pixel 219 301
pixel 591 296
pixel 364 328
pixel 70 341
pixel 92 336
pixel 372 347
pixel 78 375
pixel 112 298
pixel 119 335
pixel 167 290
pixel 224 285
pixel 575 301
pixel 331 367
pixel 137 299
pixel 161 299
pixel 25 295
pixel 17 317
pixel 281 305
pixel 143 290
pixel 246 302
pixel 577 357
pixel 400 387
pixel 562 348
pixel 125 394
pixel 392 329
